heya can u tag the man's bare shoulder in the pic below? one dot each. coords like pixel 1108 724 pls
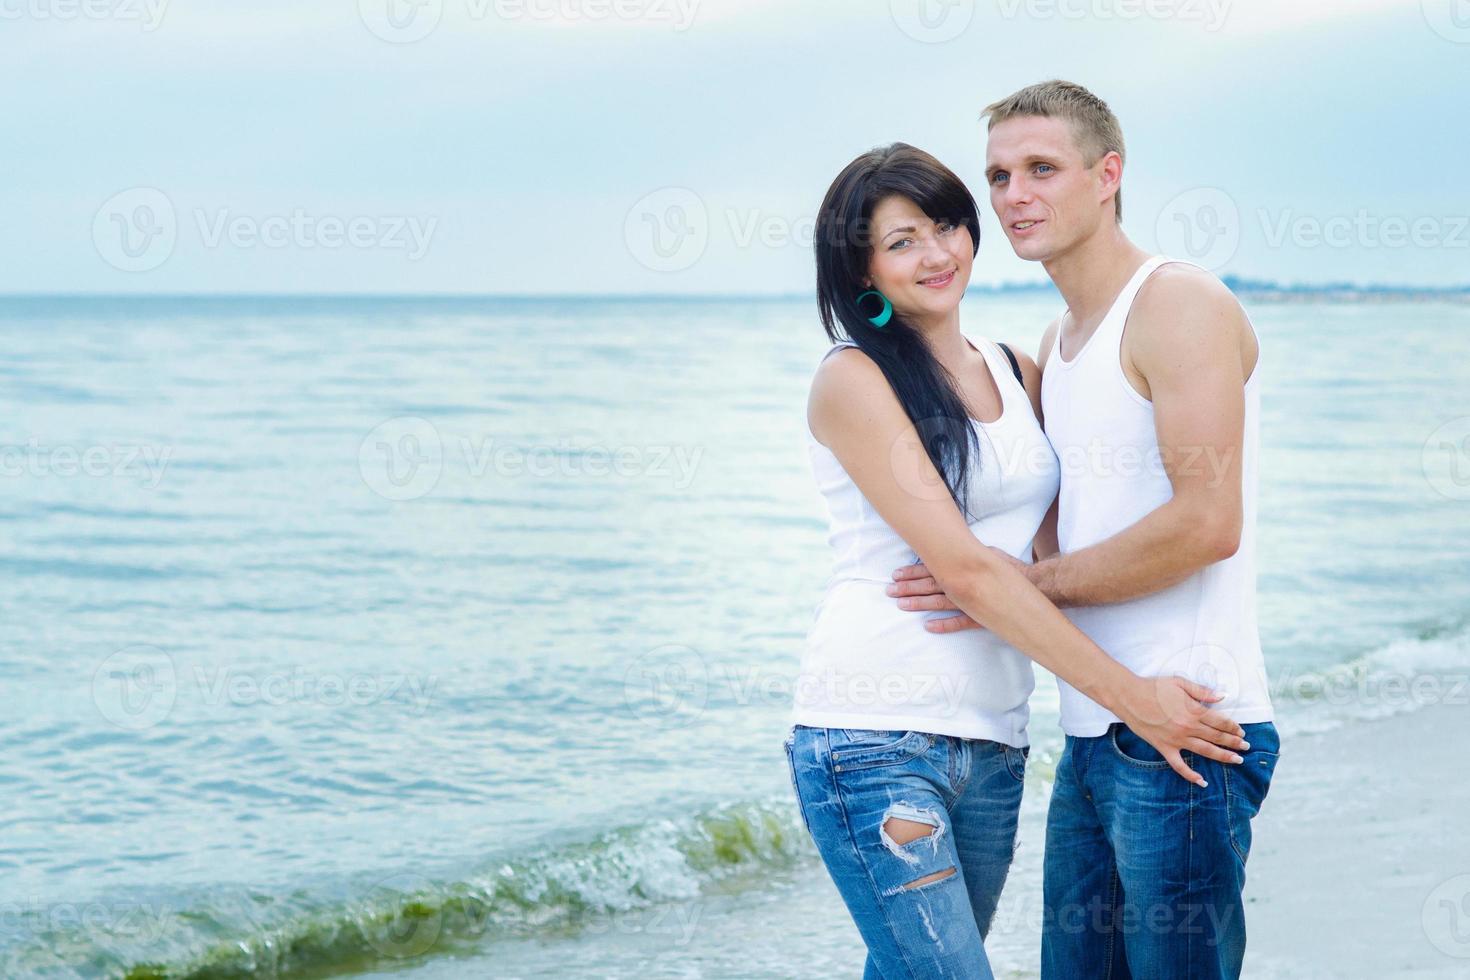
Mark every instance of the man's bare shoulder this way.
pixel 1184 316
pixel 1178 301
pixel 1027 363
pixel 1176 289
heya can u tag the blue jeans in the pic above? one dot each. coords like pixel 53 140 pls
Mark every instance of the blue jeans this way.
pixel 851 782
pixel 1144 871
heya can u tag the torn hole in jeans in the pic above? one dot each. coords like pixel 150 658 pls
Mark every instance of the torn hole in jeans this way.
pixel 928 880
pixel 905 825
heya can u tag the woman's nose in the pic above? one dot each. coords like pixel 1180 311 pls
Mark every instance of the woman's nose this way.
pixel 935 254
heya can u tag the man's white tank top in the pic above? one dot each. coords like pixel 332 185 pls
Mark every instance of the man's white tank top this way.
pixel 1103 432
pixel 869 664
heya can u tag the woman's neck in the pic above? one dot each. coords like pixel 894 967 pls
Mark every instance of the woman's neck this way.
pixel 943 336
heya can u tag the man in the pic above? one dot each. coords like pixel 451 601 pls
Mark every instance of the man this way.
pixel 1151 401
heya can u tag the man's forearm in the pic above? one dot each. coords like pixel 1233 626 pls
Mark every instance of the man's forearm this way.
pixel 1002 598
pixel 1163 549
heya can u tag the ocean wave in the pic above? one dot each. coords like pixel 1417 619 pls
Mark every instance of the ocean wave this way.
pixel 1431 667
pixel 249 934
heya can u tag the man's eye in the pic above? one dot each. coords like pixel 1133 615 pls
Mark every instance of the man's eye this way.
pixel 1044 168
pixel 999 178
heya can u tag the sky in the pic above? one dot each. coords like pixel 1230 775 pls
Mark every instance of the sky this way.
pixel 683 146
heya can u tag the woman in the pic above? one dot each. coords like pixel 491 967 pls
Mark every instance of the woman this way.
pixel 909 747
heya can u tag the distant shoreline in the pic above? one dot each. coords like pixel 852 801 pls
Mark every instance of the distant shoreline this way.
pixel 1267 289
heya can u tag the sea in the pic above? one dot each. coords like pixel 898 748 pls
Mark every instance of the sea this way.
pixel 455 637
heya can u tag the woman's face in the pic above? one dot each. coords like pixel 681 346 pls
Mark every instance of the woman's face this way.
pixel 922 266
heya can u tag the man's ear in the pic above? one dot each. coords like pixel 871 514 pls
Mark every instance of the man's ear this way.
pixel 1110 173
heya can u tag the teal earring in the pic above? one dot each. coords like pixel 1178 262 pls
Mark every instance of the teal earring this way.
pixel 881 320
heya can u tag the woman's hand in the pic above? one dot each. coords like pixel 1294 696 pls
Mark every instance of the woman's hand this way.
pixel 1173 714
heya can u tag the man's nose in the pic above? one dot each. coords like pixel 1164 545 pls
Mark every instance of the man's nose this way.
pixel 1017 192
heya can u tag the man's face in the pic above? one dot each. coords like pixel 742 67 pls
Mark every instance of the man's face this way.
pixel 1046 197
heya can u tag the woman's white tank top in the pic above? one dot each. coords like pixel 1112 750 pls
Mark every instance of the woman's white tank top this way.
pixel 869 664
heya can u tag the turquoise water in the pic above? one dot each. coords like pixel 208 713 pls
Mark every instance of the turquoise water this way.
pixel 364 636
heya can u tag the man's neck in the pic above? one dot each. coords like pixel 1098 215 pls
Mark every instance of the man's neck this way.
pixel 1091 274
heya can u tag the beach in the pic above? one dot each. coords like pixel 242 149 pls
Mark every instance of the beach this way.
pixel 1348 852
pixel 1358 849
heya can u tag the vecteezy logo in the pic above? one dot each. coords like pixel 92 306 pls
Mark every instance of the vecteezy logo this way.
pixel 402 458
pixel 932 21
pixel 1446 917
pixel 135 230
pixel 668 230
pixel 1446 459
pixel 401 21
pixel 1450 19
pixel 135 687
pixel 1205 663
pixel 405 918
pixel 666 687
pixel 1201 225
pixel 908 460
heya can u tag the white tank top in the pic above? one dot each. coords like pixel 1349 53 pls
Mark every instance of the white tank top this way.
pixel 869 664
pixel 1103 432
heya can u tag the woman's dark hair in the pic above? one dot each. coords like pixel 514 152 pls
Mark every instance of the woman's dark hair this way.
pixel 844 244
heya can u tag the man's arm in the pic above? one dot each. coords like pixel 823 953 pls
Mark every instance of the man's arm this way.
pixel 854 412
pixel 1184 340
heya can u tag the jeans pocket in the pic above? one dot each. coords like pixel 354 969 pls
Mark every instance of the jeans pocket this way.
pixel 865 737
pixel 1133 749
pixel 1016 761
pixel 868 749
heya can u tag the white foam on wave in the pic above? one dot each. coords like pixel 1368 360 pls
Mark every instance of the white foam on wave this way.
pixel 1399 677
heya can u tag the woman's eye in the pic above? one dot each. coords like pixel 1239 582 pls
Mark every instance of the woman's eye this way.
pixel 945 227
pixel 901 241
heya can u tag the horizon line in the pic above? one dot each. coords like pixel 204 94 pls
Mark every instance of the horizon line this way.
pixel 1235 283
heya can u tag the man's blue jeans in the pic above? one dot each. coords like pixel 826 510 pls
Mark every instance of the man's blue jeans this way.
pixel 850 782
pixel 1144 870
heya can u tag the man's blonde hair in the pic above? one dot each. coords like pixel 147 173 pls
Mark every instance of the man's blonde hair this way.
pixel 1094 126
